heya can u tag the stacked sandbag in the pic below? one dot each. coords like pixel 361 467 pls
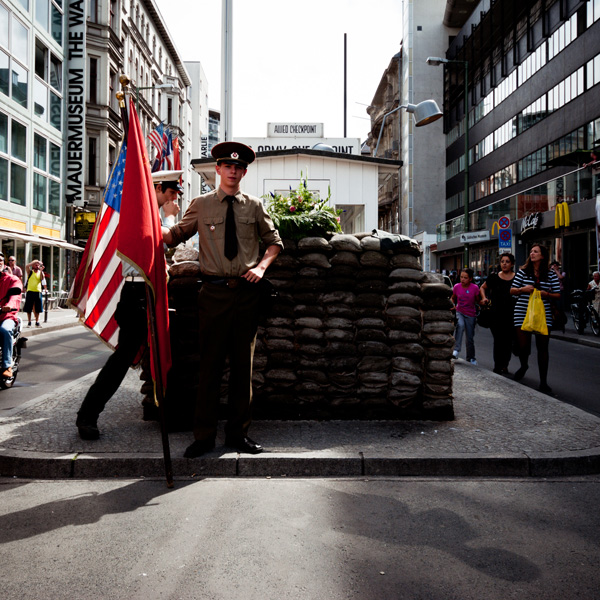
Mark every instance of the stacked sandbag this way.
pixel 358 331
pixel 438 343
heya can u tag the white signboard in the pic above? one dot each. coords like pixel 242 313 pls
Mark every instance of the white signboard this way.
pixel 474 236
pixel 345 145
pixel 75 103
pixel 293 129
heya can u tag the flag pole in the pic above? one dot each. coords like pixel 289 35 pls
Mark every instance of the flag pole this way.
pixel 158 388
pixel 158 383
pixel 124 81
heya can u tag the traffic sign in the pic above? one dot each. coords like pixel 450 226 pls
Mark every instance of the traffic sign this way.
pixel 504 222
pixel 505 239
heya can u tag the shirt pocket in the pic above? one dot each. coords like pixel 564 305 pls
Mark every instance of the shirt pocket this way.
pixel 214 227
pixel 246 228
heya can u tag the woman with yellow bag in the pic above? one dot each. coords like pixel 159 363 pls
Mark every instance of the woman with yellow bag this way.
pixel 535 285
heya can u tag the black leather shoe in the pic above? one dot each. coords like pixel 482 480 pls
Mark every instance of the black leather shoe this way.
pixel 244 444
pixel 150 412
pixel 198 448
pixel 88 428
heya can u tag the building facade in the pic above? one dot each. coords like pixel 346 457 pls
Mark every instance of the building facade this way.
pixel 32 56
pixel 61 63
pixel 412 203
pixel 533 70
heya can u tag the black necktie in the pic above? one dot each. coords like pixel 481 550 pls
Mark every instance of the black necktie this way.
pixel 231 245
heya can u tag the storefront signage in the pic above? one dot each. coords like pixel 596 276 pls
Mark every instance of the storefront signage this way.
pixel 84 223
pixel 75 103
pixel 530 222
pixel 343 145
pixel 293 129
pixel 474 236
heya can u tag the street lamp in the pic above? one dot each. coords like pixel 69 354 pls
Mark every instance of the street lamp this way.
pixel 436 61
pixel 160 86
pixel 423 113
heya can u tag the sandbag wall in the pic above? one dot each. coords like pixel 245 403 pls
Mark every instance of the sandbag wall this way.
pixel 357 333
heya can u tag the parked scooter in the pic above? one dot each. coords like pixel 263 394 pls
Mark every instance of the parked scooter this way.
pixel 18 343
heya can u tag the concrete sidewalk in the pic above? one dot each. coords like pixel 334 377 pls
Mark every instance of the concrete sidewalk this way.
pixel 501 429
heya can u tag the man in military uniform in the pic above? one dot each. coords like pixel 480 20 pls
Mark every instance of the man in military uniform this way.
pixel 229 224
pixel 132 320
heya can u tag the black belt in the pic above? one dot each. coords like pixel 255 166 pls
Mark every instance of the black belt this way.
pixel 230 282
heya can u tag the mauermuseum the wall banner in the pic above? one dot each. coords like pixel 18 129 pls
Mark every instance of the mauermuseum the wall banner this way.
pixel 75 92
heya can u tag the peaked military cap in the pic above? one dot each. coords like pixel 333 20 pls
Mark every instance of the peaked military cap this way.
pixel 233 153
pixel 168 179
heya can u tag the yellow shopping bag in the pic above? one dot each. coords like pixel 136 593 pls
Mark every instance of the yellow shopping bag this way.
pixel 535 318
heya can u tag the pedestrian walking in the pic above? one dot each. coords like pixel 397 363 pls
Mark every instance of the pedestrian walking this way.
pixel 496 291
pixel 534 274
pixel 465 296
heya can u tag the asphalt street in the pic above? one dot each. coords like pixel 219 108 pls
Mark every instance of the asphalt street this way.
pixel 51 360
pixel 274 539
pixel 571 371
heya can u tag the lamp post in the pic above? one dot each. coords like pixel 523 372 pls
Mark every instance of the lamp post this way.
pixel 435 61
pixel 423 113
pixel 160 86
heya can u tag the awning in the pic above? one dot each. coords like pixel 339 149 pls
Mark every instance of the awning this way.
pixel 41 240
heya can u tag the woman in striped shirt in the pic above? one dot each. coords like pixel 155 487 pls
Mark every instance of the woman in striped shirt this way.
pixel 535 273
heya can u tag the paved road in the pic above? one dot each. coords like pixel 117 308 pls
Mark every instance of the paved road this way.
pixel 275 539
pixel 571 374
pixel 51 360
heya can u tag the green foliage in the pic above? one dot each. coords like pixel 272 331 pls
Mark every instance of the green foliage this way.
pixel 302 214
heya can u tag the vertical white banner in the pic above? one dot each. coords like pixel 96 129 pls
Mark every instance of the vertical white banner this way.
pixel 75 98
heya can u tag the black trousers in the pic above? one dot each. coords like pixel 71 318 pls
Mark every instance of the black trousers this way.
pixel 228 326
pixel 133 333
pixel 504 336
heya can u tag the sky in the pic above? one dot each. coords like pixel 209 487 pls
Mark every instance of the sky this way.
pixel 288 58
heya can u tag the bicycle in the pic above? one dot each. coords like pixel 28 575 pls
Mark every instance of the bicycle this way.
pixel 583 311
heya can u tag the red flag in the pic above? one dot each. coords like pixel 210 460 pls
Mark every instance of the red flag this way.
pixel 140 238
pixel 176 155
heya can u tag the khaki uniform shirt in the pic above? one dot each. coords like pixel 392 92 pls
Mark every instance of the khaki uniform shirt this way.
pixel 206 215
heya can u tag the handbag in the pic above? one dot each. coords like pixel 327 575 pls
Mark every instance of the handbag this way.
pixel 484 318
pixel 535 317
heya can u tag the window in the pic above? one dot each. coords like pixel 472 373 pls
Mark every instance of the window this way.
pixel 57 22
pixel 39 152
pixel 18 184
pixel 3 26
pixel 91 151
pixel 14 77
pixel 4 73
pixel 56 73
pixel 42 12
pixel 19 41
pixel 93 11
pixel 46 175
pixel 18 147
pixel 39 192
pixel 112 19
pixel 93 83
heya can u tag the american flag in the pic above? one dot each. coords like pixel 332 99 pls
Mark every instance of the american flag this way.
pixel 157 138
pixel 97 286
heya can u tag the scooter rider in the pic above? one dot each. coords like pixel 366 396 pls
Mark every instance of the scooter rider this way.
pixel 9 306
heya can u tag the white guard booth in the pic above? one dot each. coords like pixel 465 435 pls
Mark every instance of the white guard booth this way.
pixel 353 180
